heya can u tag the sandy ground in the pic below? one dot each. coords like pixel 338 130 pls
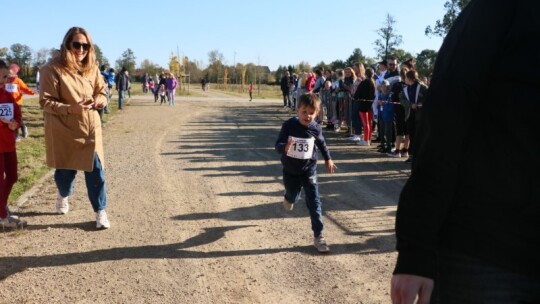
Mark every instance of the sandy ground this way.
pixel 194 194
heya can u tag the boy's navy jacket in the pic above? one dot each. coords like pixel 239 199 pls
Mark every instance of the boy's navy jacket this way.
pixel 293 127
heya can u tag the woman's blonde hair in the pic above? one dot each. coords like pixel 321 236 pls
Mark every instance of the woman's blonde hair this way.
pixel 349 69
pixel 66 57
pixel 362 70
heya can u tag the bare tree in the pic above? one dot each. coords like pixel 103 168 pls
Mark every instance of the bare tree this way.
pixel 389 40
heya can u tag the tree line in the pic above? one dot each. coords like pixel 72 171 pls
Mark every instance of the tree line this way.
pixel 218 72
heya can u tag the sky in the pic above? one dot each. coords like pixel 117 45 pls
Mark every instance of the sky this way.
pixel 270 33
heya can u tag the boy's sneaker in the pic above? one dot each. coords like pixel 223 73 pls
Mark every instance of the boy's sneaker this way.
pixel 12 221
pixel 320 243
pixel 101 220
pixel 287 205
pixel 395 154
pixel 405 153
pixel 363 143
pixel 62 204
pixel 354 138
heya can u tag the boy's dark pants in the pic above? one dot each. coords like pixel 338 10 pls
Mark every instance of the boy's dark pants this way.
pixel 293 188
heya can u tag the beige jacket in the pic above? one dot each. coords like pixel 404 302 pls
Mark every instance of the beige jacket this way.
pixel 71 139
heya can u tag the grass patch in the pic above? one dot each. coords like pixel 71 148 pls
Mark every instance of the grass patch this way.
pixel 30 150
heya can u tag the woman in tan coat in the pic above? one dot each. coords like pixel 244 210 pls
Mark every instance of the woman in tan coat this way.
pixel 72 90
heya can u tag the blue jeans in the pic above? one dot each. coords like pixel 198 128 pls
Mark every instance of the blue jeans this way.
pixel 95 184
pixel 355 117
pixel 463 279
pixel 121 97
pixel 293 188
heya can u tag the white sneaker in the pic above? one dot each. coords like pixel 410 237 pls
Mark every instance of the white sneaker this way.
pixel 62 205
pixel 320 244
pixel 287 205
pixel 354 138
pixel 12 221
pixel 363 143
pixel 101 220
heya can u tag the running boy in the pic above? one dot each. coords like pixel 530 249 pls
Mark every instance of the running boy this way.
pixel 10 121
pixel 298 141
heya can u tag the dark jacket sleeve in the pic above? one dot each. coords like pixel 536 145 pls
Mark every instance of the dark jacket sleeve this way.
pixel 478 41
pixel 283 138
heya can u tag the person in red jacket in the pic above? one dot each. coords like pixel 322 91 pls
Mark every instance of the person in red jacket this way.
pixel 310 82
pixel 10 120
pixel 17 87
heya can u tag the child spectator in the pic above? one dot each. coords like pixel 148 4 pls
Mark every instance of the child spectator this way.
pixel 151 85
pixel 412 98
pixel 386 117
pixel 161 93
pixel 10 120
pixel 297 143
pixel 16 87
pixel 402 133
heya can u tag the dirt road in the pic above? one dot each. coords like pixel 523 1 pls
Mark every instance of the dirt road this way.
pixel 194 194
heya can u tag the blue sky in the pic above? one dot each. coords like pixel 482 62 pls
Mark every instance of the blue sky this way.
pixel 269 33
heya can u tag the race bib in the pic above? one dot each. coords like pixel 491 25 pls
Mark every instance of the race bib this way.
pixel 6 111
pixel 302 148
pixel 11 87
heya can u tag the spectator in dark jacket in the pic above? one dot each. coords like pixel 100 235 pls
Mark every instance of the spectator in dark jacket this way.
pixel 284 83
pixel 468 217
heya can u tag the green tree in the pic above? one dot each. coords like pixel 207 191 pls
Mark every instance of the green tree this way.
pixel 3 52
pixel 337 64
pixel 99 56
pixel 215 66
pixel 22 55
pixel 425 62
pixel 356 57
pixel 280 72
pixel 441 28
pixel 149 67
pixel 321 65
pixel 291 68
pixel 303 66
pixel 389 40
pixel 401 55
pixel 42 56
pixel 127 60
pixel 174 64
pixel 193 69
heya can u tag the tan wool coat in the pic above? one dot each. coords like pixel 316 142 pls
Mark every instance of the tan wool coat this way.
pixel 71 139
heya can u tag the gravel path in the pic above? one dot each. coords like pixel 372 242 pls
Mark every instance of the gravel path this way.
pixel 194 195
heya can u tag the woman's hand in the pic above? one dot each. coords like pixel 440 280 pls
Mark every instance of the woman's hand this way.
pixel 100 104
pixel 80 107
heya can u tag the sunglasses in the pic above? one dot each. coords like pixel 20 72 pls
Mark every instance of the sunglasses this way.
pixel 78 45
